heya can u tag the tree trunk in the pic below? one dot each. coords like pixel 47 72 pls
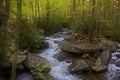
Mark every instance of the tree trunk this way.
pixel 93 22
pixel 83 10
pixel 7 11
pixel 74 16
pixel 16 43
pixel 47 17
pixel 4 12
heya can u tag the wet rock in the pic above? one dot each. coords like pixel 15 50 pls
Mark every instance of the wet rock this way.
pixel 57 41
pixel 62 33
pixel 63 56
pixel 118 63
pixel 37 65
pixel 25 76
pixel 113 61
pixel 116 77
pixel 118 55
pixel 118 44
pixel 79 67
pixel 102 61
pixel 105 57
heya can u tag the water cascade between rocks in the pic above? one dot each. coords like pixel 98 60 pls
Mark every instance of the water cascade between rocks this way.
pixel 59 69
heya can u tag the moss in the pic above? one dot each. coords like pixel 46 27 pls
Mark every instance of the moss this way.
pixel 99 66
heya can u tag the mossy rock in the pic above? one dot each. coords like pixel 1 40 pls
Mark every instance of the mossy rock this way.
pixel 79 48
pixel 101 64
pixel 88 47
pixel 37 65
pixel 44 76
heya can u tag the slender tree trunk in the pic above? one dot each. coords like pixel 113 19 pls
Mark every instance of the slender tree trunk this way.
pixel 74 15
pixel 47 16
pixel 83 10
pixel 93 23
pixel 32 9
pixel 7 11
pixel 16 44
pixel 38 7
pixel 4 12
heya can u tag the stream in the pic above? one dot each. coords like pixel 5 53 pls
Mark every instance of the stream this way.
pixel 59 69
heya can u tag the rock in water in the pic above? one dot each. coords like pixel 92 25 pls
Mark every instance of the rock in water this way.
pixel 86 47
pixel 79 48
pixel 38 66
pixel 102 61
pixel 118 55
pixel 118 63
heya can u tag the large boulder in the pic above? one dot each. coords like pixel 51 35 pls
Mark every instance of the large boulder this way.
pixel 39 67
pixel 80 47
pixel 102 61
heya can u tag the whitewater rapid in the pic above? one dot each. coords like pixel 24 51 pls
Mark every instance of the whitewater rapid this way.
pixel 59 69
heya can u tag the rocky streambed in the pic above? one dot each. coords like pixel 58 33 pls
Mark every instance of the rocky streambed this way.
pixel 72 61
pixel 67 60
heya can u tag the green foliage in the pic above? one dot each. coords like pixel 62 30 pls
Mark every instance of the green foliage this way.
pixel 30 37
pixel 115 28
pixel 57 22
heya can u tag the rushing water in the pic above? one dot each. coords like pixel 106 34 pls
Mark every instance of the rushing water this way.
pixel 59 69
pixel 25 76
pixel 112 68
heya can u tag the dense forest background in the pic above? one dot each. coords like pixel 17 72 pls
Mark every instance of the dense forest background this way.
pixel 25 23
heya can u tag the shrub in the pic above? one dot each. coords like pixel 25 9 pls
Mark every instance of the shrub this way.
pixel 30 36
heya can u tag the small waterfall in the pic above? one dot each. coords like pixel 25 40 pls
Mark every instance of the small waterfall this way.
pixel 59 69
